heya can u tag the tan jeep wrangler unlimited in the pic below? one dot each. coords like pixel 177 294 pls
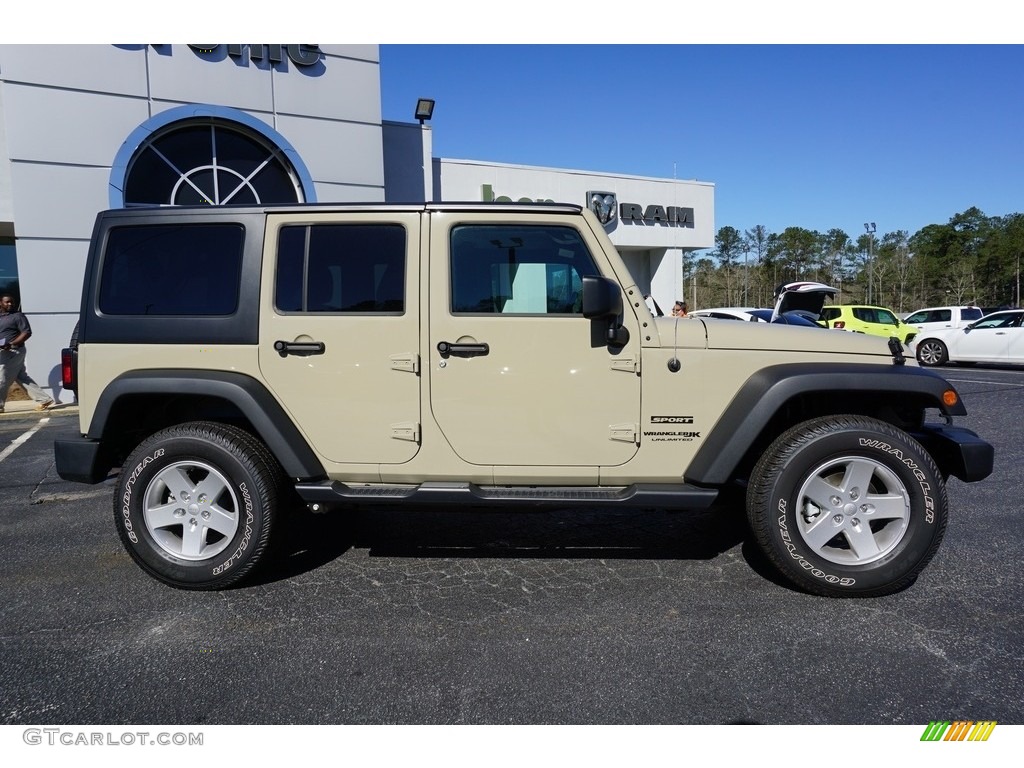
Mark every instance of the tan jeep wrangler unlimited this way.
pixel 234 361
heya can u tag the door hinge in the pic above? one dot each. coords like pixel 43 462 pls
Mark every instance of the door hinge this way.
pixel 626 433
pixel 410 363
pixel 407 430
pixel 627 364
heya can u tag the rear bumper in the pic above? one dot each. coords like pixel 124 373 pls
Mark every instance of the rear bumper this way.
pixel 82 460
pixel 958 451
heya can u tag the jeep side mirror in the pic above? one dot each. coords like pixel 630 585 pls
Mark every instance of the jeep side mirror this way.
pixel 602 298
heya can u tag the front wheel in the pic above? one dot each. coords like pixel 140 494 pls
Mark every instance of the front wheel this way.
pixel 932 352
pixel 847 506
pixel 196 504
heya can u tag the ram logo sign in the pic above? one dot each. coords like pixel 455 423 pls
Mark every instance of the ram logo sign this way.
pixel 603 205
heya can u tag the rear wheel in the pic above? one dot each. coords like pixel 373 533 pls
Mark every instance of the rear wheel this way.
pixel 932 352
pixel 196 504
pixel 847 506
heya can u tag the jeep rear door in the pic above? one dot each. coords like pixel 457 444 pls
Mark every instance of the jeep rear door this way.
pixel 517 376
pixel 339 324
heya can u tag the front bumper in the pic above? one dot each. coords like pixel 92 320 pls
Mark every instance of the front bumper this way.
pixel 958 451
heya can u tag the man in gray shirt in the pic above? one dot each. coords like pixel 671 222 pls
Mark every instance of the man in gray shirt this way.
pixel 14 331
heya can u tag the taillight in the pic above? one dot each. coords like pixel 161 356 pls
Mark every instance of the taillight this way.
pixel 839 324
pixel 69 369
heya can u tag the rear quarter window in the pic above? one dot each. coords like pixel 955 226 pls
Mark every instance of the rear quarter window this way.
pixel 172 270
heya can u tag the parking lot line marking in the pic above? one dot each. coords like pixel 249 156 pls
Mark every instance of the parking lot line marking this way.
pixel 982 381
pixel 16 442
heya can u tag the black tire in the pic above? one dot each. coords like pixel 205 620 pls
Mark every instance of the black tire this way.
pixel 223 486
pixel 847 506
pixel 932 352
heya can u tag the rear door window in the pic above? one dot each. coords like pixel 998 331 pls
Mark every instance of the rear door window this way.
pixel 350 268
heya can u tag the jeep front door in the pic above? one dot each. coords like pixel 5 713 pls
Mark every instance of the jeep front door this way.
pixel 518 377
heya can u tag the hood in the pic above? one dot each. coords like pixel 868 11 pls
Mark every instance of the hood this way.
pixel 807 296
pixel 771 339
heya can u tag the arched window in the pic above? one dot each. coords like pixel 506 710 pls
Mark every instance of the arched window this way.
pixel 209 159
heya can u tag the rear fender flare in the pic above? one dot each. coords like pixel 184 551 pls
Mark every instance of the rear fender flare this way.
pixel 266 415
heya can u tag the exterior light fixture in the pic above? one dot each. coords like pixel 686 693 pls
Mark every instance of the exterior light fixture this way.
pixel 424 109
pixel 870 228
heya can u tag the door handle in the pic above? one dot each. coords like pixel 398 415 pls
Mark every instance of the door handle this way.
pixel 447 349
pixel 303 348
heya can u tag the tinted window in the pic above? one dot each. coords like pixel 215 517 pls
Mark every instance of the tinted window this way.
pixel 341 268
pixel 8 267
pixel 886 317
pixel 941 316
pixel 968 314
pixel 872 315
pixel 917 317
pixel 1004 320
pixel 172 269
pixel 522 270
pixel 829 313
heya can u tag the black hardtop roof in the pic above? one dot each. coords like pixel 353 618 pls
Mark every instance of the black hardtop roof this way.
pixel 442 207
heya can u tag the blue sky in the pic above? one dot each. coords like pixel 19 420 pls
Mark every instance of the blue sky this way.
pixel 816 115
pixel 815 136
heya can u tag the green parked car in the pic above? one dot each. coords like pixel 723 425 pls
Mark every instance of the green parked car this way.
pixel 859 318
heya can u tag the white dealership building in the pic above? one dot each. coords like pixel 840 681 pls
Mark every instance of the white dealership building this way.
pixel 89 127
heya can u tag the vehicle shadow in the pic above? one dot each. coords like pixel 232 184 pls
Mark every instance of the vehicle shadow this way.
pixel 313 540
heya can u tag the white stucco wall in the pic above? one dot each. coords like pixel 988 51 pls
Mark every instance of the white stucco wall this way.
pixel 6 204
pixel 66 111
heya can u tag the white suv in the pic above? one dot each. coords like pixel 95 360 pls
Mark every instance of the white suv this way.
pixel 937 318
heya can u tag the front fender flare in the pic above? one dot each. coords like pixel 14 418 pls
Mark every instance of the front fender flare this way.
pixel 766 392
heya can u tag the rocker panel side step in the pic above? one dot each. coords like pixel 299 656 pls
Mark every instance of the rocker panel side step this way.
pixel 663 496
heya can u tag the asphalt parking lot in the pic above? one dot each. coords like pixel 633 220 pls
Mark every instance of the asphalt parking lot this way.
pixel 481 617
